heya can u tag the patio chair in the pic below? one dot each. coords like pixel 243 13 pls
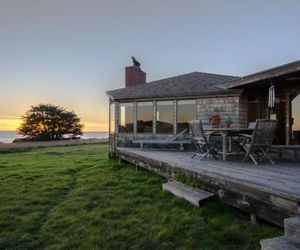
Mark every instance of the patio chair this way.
pixel 201 141
pixel 243 138
pixel 259 143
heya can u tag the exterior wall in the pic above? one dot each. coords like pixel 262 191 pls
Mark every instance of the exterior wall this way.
pixel 233 106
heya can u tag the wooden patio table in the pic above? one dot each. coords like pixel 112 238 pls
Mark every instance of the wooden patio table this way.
pixel 227 133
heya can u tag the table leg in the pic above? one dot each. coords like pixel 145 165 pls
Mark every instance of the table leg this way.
pixel 224 146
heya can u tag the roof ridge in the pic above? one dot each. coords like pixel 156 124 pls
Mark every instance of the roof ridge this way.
pixel 193 72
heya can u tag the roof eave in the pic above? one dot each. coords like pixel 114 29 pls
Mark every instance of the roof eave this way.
pixel 267 74
pixel 230 92
pixel 110 96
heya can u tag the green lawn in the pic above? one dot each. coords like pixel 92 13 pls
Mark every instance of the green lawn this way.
pixel 75 198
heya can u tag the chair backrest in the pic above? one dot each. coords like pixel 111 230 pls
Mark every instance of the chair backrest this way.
pixel 206 125
pixel 264 132
pixel 252 125
pixel 197 130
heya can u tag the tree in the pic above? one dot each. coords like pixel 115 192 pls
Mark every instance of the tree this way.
pixel 49 122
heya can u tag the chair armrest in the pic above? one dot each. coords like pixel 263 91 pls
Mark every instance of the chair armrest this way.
pixel 246 135
pixel 208 133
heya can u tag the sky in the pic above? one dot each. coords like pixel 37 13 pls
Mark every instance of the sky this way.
pixel 69 52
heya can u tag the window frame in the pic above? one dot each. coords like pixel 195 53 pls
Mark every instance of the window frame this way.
pixel 133 117
pixel 177 111
pixel 173 116
pixel 137 113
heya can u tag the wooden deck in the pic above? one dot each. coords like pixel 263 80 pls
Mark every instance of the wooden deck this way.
pixel 269 192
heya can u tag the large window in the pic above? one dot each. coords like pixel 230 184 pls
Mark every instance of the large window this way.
pixel 165 117
pixel 112 118
pixel 144 117
pixel 186 112
pixel 126 116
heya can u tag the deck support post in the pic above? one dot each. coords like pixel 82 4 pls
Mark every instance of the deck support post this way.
pixel 172 176
pixel 288 107
pixel 253 219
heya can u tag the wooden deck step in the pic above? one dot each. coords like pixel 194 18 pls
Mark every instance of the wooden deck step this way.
pixel 280 243
pixel 292 228
pixel 192 195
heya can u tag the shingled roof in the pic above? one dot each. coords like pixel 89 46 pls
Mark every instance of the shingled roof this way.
pixel 191 84
pixel 278 71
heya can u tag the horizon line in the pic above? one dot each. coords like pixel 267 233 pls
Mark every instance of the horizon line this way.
pixel 94 131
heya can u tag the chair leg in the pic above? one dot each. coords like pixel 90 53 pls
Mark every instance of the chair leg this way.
pixel 266 156
pixel 194 155
pixel 247 153
pixel 204 156
pixel 253 159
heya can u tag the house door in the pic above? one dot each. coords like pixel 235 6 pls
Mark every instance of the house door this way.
pixel 253 109
pixel 279 113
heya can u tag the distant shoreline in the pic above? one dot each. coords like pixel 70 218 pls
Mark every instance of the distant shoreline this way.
pixel 42 144
pixel 10 136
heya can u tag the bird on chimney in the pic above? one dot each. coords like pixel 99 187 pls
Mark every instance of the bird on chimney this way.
pixel 135 62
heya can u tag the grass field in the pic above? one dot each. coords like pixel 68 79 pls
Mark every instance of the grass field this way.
pixel 75 198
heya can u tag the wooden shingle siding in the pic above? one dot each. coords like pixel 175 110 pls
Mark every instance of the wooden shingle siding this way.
pixel 233 106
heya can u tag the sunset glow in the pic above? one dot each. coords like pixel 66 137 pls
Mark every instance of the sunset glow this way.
pixel 70 54
pixel 9 124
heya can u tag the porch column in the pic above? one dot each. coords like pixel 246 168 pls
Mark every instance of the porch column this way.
pixel 109 118
pixel 154 117
pixel 134 118
pixel 117 118
pixel 288 111
pixel 175 117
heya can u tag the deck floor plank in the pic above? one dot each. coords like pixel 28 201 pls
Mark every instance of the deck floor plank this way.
pixel 283 178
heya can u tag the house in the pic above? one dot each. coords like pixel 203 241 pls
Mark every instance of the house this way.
pixel 162 108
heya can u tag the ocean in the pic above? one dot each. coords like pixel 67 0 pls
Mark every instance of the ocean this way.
pixel 9 136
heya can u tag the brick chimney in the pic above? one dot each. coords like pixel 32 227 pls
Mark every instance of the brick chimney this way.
pixel 134 75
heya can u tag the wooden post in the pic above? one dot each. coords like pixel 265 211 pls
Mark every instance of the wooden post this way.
pixel 253 220
pixel 112 128
pixel 287 119
pixel 154 118
pixel 175 117
pixel 109 130
pixel 109 116
pixel 117 118
pixel 135 118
